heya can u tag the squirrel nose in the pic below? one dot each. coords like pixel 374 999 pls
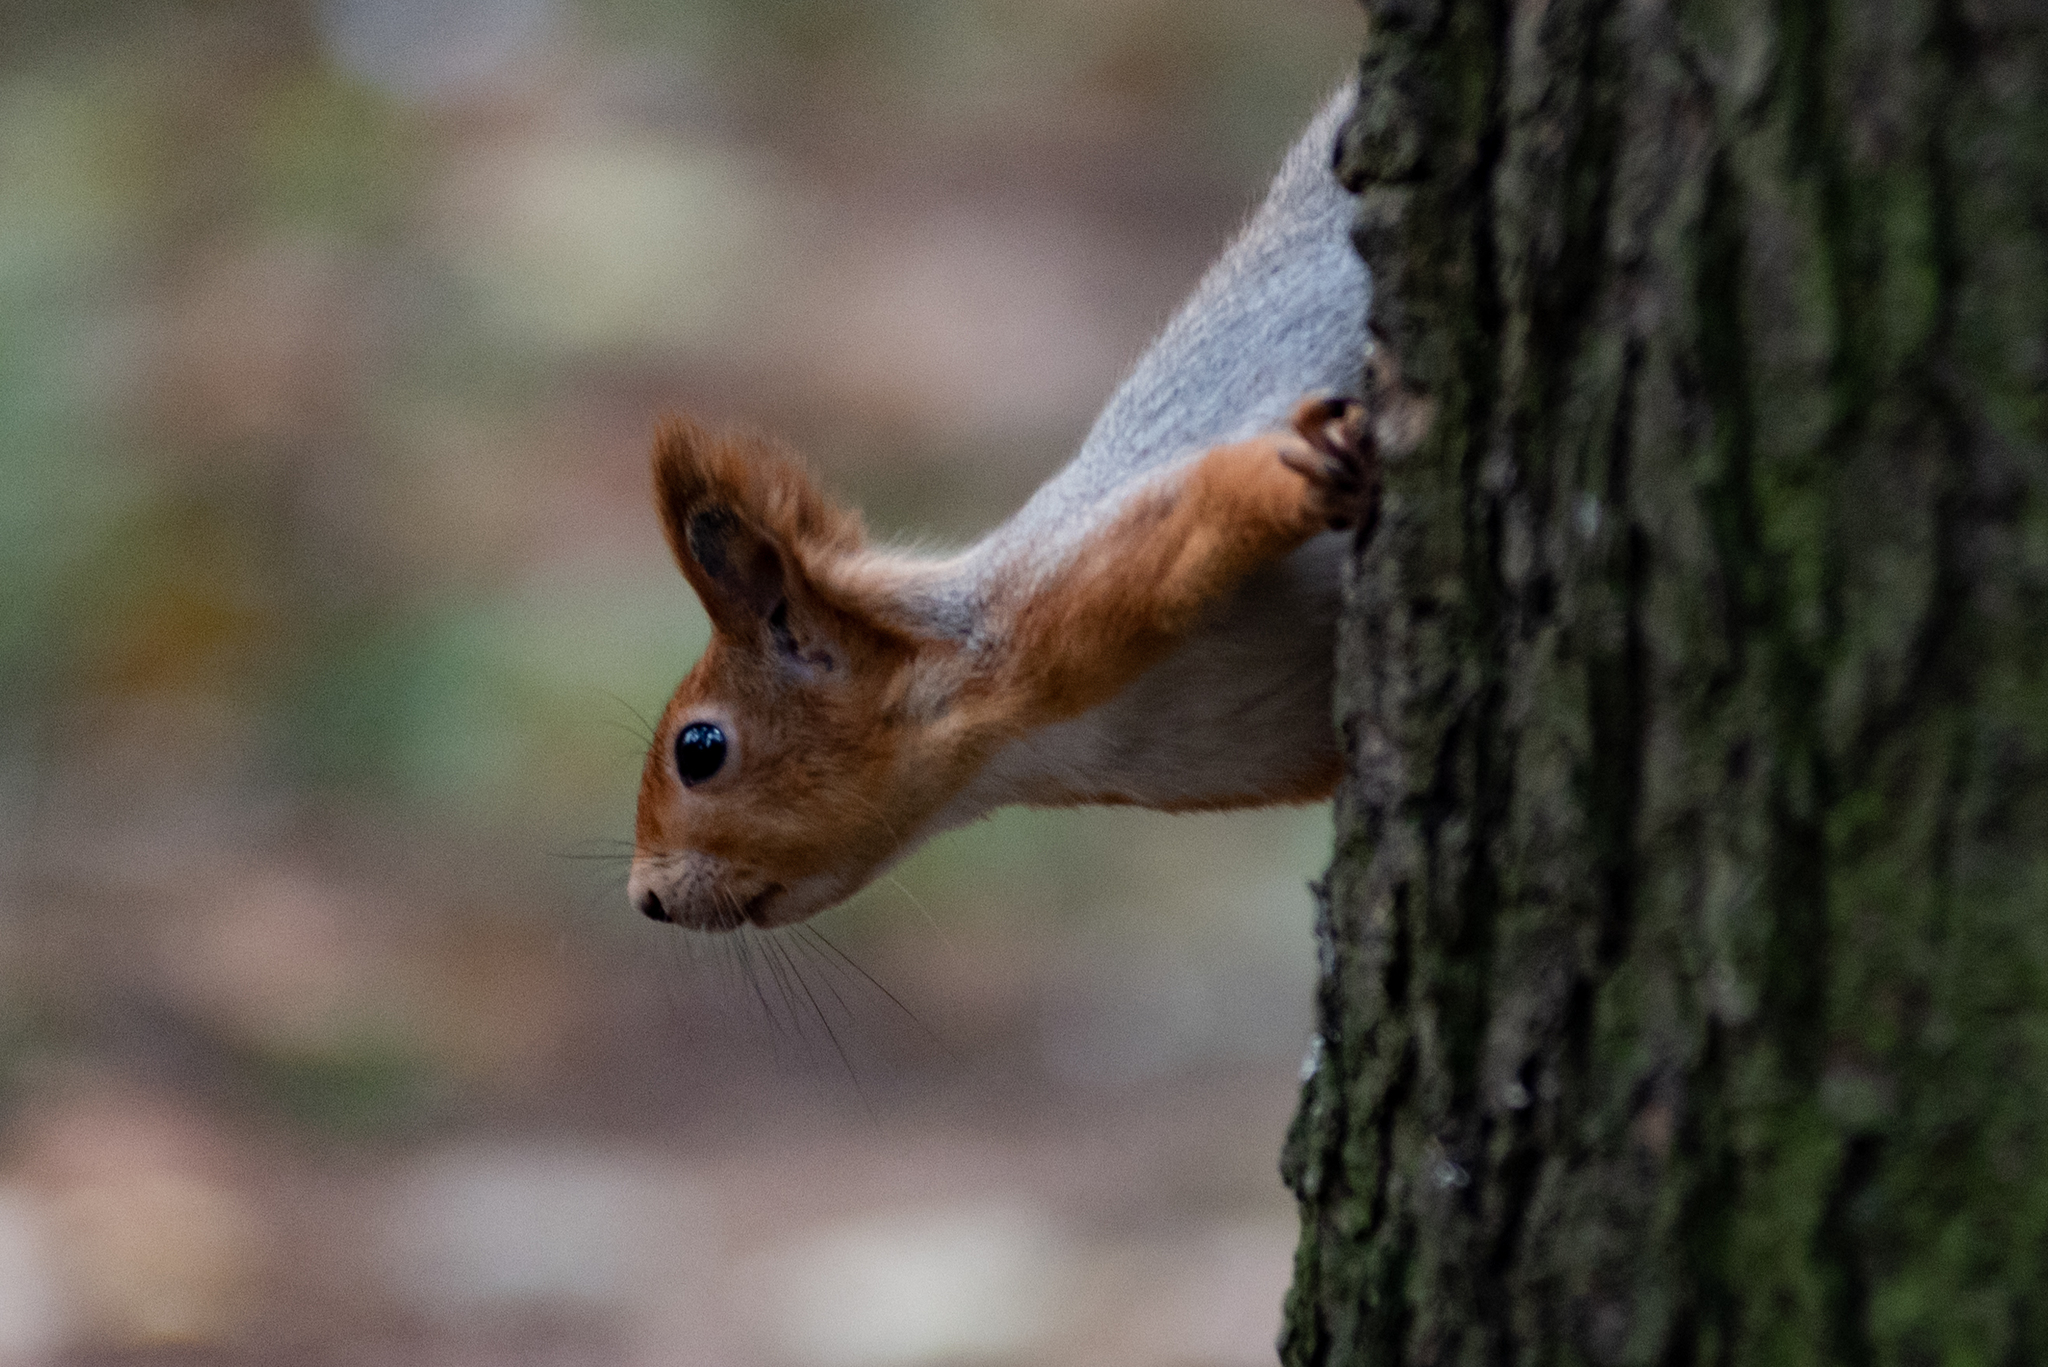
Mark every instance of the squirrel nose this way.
pixel 650 905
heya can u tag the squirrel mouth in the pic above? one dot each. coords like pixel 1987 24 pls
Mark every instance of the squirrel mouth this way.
pixel 754 906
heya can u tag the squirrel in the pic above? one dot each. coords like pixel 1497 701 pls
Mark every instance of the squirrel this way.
pixel 1154 627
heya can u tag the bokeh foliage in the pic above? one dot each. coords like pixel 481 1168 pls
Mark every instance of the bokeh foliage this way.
pixel 329 355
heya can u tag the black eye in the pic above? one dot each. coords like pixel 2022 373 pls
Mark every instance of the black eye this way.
pixel 700 750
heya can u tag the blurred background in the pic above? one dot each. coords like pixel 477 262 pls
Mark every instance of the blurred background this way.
pixel 331 337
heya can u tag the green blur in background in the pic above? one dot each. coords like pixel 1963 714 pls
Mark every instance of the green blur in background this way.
pixel 331 609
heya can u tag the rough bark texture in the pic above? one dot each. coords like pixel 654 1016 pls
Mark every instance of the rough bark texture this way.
pixel 1685 976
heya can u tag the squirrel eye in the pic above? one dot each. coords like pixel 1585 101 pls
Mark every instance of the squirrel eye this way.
pixel 700 750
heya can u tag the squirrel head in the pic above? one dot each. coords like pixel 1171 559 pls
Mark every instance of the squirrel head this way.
pixel 793 761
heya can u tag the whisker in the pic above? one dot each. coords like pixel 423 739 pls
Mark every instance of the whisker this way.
pixel 881 817
pixel 596 849
pixel 647 728
pixel 729 964
pixel 872 981
pixel 753 977
pixel 766 946
pixel 922 910
pixel 825 971
pixel 824 1022
pixel 641 743
pixel 671 981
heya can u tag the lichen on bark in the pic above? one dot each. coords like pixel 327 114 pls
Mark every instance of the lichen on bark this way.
pixel 1685 955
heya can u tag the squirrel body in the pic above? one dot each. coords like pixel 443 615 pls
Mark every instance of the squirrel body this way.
pixel 1153 627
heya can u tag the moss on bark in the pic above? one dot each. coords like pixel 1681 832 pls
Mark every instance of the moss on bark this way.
pixel 1685 956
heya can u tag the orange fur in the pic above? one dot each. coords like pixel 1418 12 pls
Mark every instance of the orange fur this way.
pixel 1133 590
pixel 850 727
pixel 815 752
pixel 697 466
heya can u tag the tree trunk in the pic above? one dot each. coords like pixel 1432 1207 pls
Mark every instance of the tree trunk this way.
pixel 1685 958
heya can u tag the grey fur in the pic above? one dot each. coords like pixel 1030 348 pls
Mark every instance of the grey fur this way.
pixel 1240 711
pixel 1241 704
pixel 1281 313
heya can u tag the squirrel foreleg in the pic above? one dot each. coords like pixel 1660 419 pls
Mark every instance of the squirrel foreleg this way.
pixel 1139 583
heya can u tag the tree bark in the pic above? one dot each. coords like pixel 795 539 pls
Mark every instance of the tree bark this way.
pixel 1684 988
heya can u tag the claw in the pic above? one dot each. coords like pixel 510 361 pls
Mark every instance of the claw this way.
pixel 1340 465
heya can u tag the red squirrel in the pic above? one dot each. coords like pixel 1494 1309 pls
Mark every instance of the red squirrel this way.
pixel 1154 627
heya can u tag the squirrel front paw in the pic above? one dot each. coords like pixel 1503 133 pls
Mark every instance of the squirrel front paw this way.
pixel 1336 456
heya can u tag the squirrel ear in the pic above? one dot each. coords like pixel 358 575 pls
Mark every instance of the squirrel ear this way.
pixel 741 567
pixel 741 516
pixel 743 580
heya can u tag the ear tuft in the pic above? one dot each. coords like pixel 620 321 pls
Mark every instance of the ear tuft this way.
pixel 743 518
